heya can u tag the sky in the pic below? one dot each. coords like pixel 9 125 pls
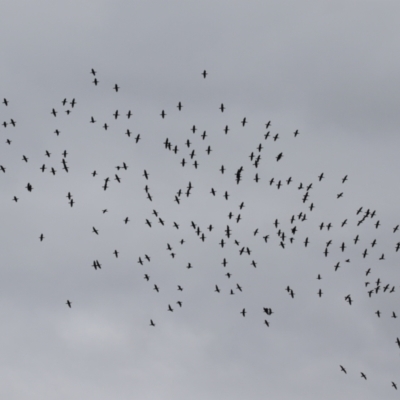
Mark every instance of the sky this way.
pixel 326 69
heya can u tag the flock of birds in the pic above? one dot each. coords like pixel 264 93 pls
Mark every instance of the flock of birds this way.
pixel 280 233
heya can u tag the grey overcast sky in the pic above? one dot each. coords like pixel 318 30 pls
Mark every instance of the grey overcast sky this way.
pixel 327 69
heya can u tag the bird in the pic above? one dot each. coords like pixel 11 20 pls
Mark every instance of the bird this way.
pixel 68 303
pixel 96 264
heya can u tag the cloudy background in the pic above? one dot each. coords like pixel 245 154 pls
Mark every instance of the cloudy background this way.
pixel 328 69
